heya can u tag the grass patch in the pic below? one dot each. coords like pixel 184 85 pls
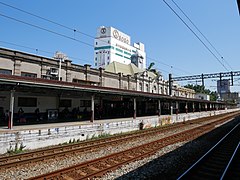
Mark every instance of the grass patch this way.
pixel 16 149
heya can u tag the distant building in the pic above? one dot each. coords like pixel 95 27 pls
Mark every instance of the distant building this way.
pixel 202 96
pixel 113 45
pixel 231 97
pixel 223 86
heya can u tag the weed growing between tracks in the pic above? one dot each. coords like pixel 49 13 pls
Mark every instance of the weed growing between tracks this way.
pixel 16 149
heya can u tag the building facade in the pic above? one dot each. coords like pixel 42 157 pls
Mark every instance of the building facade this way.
pixel 223 86
pixel 202 96
pixel 32 66
pixel 113 45
pixel 60 90
pixel 232 97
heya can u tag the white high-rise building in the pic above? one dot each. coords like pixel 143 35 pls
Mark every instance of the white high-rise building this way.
pixel 112 45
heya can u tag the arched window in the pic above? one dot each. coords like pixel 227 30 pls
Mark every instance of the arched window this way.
pixel 147 87
pixel 154 89
pixel 140 87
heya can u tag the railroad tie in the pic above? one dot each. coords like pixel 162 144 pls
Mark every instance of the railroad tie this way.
pixel 81 173
pixel 93 168
pixel 113 161
pixel 105 164
pixel 66 177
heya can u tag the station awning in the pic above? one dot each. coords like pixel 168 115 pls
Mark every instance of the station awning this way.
pixel 39 83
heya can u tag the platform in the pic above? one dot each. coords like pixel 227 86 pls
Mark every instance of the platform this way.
pixel 41 135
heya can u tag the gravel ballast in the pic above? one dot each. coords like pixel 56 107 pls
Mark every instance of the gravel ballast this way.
pixel 168 163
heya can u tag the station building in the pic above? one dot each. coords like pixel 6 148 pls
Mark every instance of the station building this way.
pixel 39 90
pixel 63 91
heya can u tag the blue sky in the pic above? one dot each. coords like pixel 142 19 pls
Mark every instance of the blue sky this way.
pixel 168 42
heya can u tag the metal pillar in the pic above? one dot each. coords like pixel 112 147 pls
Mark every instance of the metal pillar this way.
pixel 170 84
pixel 186 108
pixel 232 77
pixel 225 106
pixel 10 123
pixel 199 106
pixel 159 107
pixel 120 80
pixel 193 107
pixel 134 108
pixel 60 69
pixel 206 107
pixel 92 108
pixel 177 108
pixel 171 108
pixel 202 80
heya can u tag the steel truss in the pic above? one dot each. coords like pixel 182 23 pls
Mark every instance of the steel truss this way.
pixel 207 76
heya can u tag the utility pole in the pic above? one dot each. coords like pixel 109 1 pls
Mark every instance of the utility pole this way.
pixel 59 70
pixel 61 57
pixel 202 80
pixel 170 84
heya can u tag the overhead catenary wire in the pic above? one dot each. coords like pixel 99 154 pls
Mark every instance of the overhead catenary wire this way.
pixel 59 34
pixel 51 53
pixel 202 34
pixel 66 27
pixel 45 19
pixel 204 44
pixel 44 29
pixel 40 50
pixel 170 66
pixel 51 21
pixel 26 47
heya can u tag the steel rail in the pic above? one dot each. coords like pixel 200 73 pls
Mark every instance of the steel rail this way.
pixel 207 153
pixel 96 168
pixel 228 169
pixel 38 155
pixel 230 161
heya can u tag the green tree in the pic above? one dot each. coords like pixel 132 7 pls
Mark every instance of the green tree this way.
pixel 154 70
pixel 201 89
pixel 150 67
pixel 213 96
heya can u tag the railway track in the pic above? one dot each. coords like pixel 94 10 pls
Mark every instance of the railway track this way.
pixel 45 154
pixel 98 167
pixel 40 155
pixel 232 171
pixel 220 162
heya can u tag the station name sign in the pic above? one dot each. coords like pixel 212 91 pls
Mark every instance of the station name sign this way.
pixel 117 35
pixel 106 32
